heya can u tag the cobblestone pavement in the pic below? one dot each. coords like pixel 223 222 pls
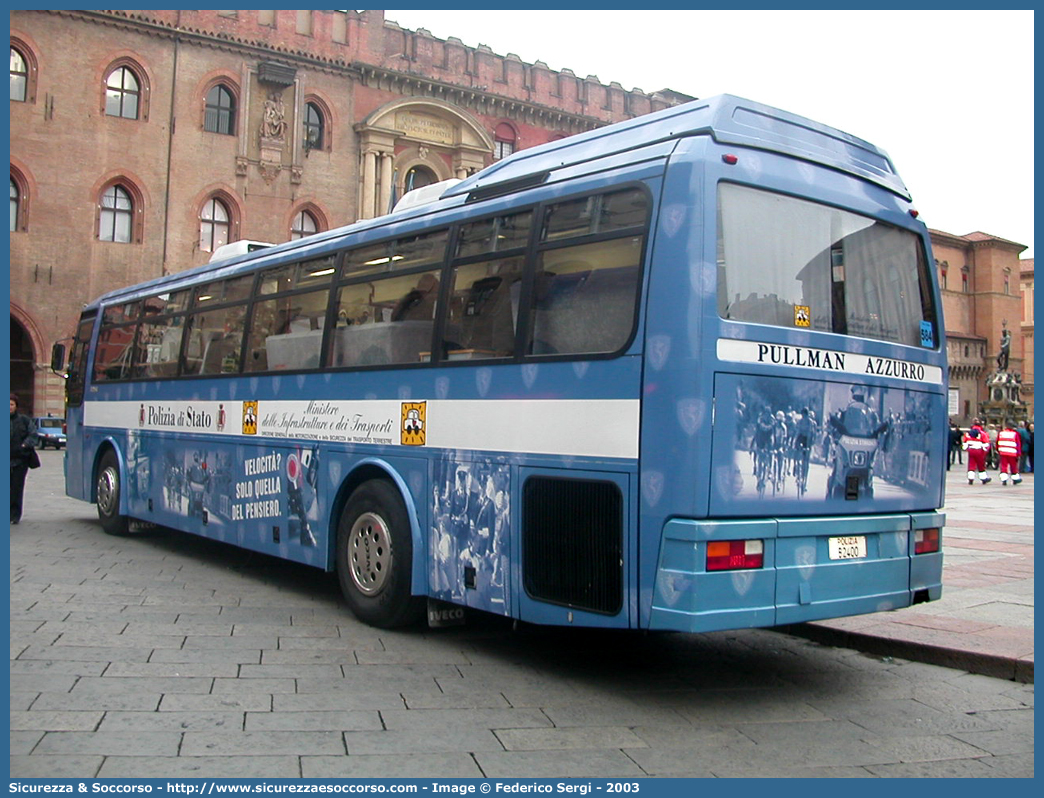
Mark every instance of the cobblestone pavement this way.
pixel 165 655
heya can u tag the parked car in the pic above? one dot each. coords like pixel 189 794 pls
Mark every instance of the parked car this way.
pixel 51 431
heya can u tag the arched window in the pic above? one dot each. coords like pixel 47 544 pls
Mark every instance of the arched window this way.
pixel 122 93
pixel 504 139
pixel 16 199
pixel 214 225
pixel 313 127
pixel 220 111
pixel 304 224
pixel 19 76
pixel 116 220
pixel 418 176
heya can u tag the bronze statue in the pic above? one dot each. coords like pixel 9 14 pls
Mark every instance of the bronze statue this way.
pixel 1005 350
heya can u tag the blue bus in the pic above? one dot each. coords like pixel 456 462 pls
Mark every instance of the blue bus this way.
pixel 685 372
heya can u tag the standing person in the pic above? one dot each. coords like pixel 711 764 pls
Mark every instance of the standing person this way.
pixel 991 455
pixel 1029 452
pixel 1009 449
pixel 1024 437
pixel 23 444
pixel 955 445
pixel 977 445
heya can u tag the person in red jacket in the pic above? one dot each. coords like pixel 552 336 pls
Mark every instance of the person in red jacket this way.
pixel 977 445
pixel 1009 447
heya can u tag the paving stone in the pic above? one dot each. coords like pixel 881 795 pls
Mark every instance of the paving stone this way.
pixel 759 706
pixel 55 720
pixel 251 743
pixel 308 656
pixel 614 713
pixel 252 686
pixel 56 767
pixel 339 644
pixel 226 642
pixel 58 667
pixel 221 702
pixel 355 683
pixel 600 737
pixel 420 741
pixel 137 744
pixel 942 769
pixel 439 719
pixel 41 683
pixel 1000 743
pixel 172 669
pixel 206 655
pixel 119 721
pixel 130 685
pixel 339 700
pixel 23 742
pixel 144 628
pixel 415 766
pixel 202 767
pixel 556 764
pixel 22 701
pixel 454 699
pixel 909 718
pixel 345 720
pixel 1011 766
pixel 296 671
pixel 286 630
pixel 86 653
pixel 85 702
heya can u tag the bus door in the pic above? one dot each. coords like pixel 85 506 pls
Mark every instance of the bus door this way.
pixel 77 481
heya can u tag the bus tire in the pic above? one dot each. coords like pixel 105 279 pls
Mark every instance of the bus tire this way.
pixel 375 557
pixel 108 488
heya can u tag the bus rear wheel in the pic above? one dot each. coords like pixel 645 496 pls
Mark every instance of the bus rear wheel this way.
pixel 108 488
pixel 375 557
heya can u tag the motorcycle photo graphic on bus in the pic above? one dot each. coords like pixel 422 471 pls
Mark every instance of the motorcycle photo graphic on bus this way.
pixel 798 440
pixel 270 488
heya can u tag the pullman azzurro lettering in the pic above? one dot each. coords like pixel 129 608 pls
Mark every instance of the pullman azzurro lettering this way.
pixel 808 358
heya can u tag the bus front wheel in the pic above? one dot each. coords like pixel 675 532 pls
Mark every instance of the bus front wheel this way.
pixel 108 487
pixel 375 557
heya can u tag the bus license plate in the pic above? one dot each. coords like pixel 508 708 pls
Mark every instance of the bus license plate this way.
pixel 848 548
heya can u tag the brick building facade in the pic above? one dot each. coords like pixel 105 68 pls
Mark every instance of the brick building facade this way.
pixel 142 140
pixel 984 288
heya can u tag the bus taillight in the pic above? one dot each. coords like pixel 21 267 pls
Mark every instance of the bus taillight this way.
pixel 926 541
pixel 731 555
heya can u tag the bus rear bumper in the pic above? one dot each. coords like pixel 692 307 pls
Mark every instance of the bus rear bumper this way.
pixel 802 576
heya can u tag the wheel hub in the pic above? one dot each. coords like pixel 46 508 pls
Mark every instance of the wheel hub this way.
pixel 369 553
pixel 108 491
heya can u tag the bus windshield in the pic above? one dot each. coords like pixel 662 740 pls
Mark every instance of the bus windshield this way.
pixel 795 263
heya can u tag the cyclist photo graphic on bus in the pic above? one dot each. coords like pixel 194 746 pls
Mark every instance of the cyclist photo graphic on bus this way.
pixel 804 440
pixel 470 527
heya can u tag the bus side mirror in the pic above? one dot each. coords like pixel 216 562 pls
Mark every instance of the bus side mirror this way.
pixel 58 359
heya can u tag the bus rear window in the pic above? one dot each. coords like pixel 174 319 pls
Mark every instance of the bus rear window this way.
pixel 794 263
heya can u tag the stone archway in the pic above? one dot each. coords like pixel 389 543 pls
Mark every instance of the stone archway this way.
pixel 23 367
pixel 411 133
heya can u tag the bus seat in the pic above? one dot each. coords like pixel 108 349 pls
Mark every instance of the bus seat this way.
pixel 486 322
pixel 589 311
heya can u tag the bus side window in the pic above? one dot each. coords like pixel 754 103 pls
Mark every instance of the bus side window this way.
pixel 585 298
pixel 112 356
pixel 483 310
pixel 389 320
pixel 286 333
pixel 157 347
